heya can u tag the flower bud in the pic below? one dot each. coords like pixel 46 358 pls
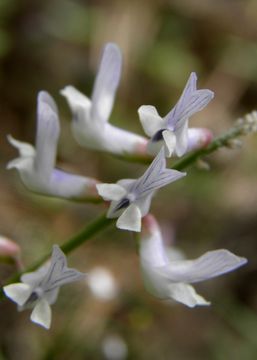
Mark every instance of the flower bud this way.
pixel 8 248
pixel 198 138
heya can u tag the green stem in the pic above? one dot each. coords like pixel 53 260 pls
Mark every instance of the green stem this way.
pixel 94 227
pixel 218 142
pixel 102 222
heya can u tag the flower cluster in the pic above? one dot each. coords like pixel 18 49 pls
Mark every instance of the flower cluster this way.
pixel 166 273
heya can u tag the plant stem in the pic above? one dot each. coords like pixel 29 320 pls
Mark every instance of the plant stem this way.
pixel 218 142
pixel 94 227
pixel 102 222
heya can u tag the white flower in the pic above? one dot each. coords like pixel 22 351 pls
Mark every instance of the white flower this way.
pixel 168 276
pixel 90 116
pixel 39 289
pixel 173 128
pixel 36 165
pixel 131 199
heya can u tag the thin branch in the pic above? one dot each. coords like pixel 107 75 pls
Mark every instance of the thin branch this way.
pixel 243 127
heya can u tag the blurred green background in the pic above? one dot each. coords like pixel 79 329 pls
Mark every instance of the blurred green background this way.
pixel 48 44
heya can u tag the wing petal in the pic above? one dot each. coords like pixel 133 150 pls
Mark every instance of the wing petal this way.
pixel 186 295
pixel 211 264
pixel 156 176
pixel 130 219
pixel 150 119
pixel 190 102
pixel 18 293
pixel 111 191
pixel 59 274
pixel 42 314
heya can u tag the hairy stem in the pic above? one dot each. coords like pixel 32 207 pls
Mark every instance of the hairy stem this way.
pixel 219 142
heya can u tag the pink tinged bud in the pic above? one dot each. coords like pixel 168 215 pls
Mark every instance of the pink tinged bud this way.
pixel 149 225
pixel 10 252
pixel 9 248
pixel 199 138
pixel 90 191
pixel 141 147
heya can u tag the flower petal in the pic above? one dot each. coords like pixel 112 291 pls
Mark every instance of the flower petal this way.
pixel 58 273
pixel 20 164
pixel 48 130
pixel 18 292
pixel 154 283
pixel 152 249
pixel 153 147
pixel 150 119
pixel 42 314
pixel 170 141
pixel 190 102
pixel 207 266
pixel 35 277
pixel 181 138
pixel 194 102
pixel 144 204
pixel 155 177
pixel 25 149
pixel 111 191
pixel 77 101
pixel 186 295
pixel 51 296
pixel 130 219
pixel 106 83
pixel 69 186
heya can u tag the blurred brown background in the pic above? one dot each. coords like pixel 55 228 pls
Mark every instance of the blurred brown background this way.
pixel 52 43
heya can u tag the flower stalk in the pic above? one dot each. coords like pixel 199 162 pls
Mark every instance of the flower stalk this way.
pixel 243 127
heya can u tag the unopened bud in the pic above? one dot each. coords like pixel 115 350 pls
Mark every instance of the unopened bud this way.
pixel 149 225
pixel 10 252
pixel 141 147
pixel 8 248
pixel 198 138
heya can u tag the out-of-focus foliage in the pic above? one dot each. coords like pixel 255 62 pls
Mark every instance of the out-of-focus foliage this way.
pixel 52 43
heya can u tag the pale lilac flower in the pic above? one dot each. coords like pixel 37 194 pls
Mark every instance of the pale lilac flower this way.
pixel 168 276
pixel 173 128
pixel 90 116
pixel 131 199
pixel 39 289
pixel 36 165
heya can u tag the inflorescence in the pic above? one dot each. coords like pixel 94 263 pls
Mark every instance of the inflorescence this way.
pixel 166 272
